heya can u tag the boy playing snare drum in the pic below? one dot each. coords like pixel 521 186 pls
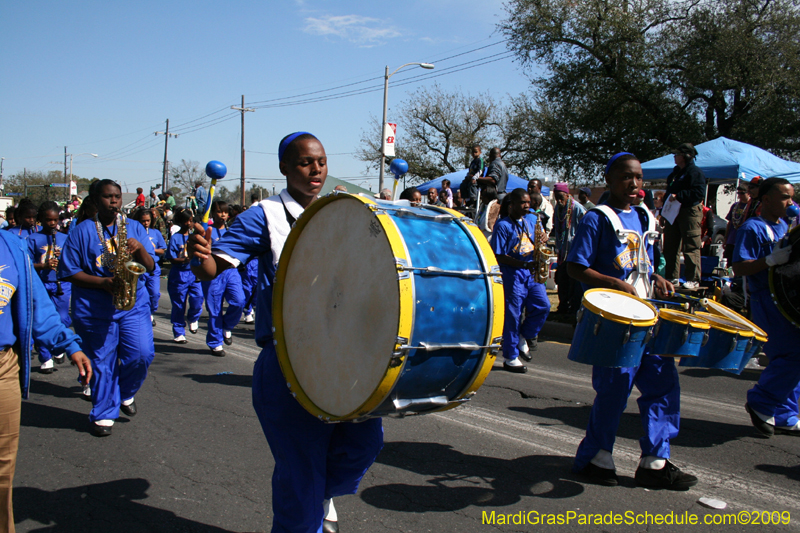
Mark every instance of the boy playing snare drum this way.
pixel 599 258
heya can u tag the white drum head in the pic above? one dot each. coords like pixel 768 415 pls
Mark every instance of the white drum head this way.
pixel 341 306
pixel 620 304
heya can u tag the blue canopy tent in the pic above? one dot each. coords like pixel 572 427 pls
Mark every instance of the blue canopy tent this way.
pixel 514 182
pixel 726 160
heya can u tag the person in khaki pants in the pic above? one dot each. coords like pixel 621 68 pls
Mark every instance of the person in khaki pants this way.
pixel 686 185
pixel 26 315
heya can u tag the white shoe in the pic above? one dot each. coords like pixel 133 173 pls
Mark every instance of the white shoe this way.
pixel 329 511
pixel 60 359
pixel 691 285
pixel 46 367
pixel 193 327
pixel 676 282
pixel 180 339
pixel 227 337
pixel 87 392
pixel 250 317
pixel 513 362
pixel 522 346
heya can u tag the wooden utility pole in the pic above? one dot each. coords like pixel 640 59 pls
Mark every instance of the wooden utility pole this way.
pixel 243 110
pixel 66 177
pixel 165 175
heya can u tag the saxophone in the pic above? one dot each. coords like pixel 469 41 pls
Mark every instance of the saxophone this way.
pixel 541 254
pixel 126 271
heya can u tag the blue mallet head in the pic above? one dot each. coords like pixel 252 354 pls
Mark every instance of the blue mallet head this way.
pixel 216 170
pixel 398 167
pixel 792 211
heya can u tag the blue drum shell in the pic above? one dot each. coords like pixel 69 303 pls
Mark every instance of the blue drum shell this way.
pixel 717 352
pixel 668 339
pixel 606 348
pixel 754 350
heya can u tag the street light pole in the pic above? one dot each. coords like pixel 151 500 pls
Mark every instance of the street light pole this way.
pixel 386 77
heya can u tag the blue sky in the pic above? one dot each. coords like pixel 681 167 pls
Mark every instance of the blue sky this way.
pixel 101 77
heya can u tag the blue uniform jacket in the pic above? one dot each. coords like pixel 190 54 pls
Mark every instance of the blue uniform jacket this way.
pixel 35 316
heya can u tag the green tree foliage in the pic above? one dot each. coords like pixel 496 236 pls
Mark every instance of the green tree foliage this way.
pixel 39 185
pixel 646 75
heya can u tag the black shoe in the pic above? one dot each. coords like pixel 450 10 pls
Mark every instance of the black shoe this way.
pixel 60 359
pixel 100 431
pixel 193 331
pixel 792 430
pixel 154 322
pixel 600 476
pixel 46 370
pixel 765 428
pixel 217 353
pixel 515 369
pixel 329 526
pixel 129 410
pixel 227 340
pixel 670 478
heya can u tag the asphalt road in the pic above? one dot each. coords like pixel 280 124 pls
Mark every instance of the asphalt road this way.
pixel 194 458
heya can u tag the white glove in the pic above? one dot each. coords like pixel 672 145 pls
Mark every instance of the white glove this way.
pixel 780 255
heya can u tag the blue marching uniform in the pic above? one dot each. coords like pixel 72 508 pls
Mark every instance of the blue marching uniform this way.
pixel 597 246
pixel 24 233
pixel 119 343
pixel 313 460
pixel 776 393
pixel 515 239
pixel 43 247
pixel 152 280
pixel 182 286
pixel 249 275
pixel 228 286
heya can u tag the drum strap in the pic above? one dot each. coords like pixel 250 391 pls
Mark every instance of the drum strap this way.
pixel 640 276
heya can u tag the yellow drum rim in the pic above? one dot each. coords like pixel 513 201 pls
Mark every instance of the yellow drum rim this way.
pixel 717 323
pixel 618 318
pixel 679 317
pixel 404 328
pixel 716 308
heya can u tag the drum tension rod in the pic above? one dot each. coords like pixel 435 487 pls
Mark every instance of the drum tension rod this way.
pixel 439 271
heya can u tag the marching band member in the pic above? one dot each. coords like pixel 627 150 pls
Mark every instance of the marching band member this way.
pixel 26 316
pixel 119 343
pixel 249 275
pixel 228 286
pixel 513 241
pixel 182 285
pixel 772 403
pixel 45 249
pixel 26 219
pixel 314 461
pixel 152 280
pixel 599 259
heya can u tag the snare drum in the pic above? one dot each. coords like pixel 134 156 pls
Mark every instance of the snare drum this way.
pixel 679 334
pixel 385 309
pixel 759 335
pixel 613 329
pixel 728 340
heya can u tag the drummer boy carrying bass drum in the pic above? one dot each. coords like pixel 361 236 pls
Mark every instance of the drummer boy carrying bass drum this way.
pixel 772 403
pixel 599 259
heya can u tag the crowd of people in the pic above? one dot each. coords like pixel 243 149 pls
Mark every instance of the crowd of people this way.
pixel 76 278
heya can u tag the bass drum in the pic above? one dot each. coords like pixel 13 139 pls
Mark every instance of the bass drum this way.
pixel 784 281
pixel 385 309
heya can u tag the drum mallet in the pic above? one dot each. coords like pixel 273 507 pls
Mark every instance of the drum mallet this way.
pixel 215 170
pixel 398 167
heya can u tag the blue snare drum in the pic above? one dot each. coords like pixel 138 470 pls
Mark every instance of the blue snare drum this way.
pixel 613 329
pixel 760 336
pixel 381 308
pixel 728 341
pixel 678 334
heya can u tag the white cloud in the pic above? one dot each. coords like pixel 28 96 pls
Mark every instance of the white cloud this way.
pixel 364 31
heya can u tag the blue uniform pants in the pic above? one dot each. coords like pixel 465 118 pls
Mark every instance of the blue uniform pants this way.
pixel 522 292
pixel 121 350
pixel 152 281
pixel 314 461
pixel 777 389
pixel 249 281
pixel 228 286
pixel 62 306
pixel 659 407
pixel 182 286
